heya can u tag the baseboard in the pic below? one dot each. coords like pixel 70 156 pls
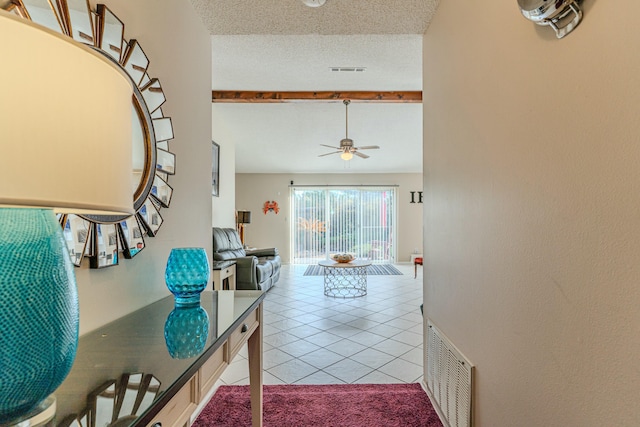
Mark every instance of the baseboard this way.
pixel 443 420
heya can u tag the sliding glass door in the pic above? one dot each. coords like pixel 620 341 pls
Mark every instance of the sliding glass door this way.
pixel 359 220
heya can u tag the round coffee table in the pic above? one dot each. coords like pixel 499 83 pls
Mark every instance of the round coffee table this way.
pixel 345 279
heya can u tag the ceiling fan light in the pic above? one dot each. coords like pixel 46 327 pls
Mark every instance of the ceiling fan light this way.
pixel 346 155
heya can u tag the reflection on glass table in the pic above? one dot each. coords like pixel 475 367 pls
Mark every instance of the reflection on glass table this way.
pixel 142 343
pixel 117 403
pixel 186 331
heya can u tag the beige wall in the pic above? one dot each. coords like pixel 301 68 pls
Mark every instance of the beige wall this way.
pixel 178 47
pixel 532 209
pixel 252 190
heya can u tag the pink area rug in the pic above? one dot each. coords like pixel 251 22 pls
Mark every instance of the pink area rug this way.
pixel 335 405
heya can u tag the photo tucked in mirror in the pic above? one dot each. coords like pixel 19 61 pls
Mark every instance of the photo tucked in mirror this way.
pixel 150 217
pixel 132 239
pixel 166 162
pixel 161 191
pixel 105 246
pixel 76 234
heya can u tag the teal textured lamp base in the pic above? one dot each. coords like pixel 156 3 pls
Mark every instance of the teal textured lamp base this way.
pixel 44 412
pixel 38 310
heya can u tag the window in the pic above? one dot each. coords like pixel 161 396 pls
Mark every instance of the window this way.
pixel 359 220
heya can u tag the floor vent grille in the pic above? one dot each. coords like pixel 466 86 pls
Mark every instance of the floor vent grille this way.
pixel 449 379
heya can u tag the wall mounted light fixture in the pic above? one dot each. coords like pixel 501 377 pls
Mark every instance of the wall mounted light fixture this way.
pixel 314 3
pixel 561 15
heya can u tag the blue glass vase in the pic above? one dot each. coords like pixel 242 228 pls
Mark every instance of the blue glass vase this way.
pixel 187 274
pixel 38 310
pixel 186 331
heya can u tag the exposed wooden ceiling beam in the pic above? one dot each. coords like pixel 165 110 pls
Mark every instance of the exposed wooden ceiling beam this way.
pixel 243 96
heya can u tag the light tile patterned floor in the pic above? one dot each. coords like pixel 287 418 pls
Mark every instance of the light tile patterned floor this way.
pixel 310 338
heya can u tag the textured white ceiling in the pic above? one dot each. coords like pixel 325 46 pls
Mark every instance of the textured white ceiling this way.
pixel 286 138
pixel 335 17
pixel 282 45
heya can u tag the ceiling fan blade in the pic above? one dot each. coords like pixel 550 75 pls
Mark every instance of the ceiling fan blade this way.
pixel 369 147
pixel 330 146
pixel 359 154
pixel 335 152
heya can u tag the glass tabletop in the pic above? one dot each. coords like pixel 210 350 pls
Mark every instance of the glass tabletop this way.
pixel 351 264
pixel 124 366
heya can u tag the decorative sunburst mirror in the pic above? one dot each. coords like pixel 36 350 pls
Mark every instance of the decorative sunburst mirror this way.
pixel 105 239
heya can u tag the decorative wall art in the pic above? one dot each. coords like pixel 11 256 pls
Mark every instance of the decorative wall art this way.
pixel 215 170
pixel 415 199
pixel 270 206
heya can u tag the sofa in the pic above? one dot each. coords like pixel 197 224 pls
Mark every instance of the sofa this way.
pixel 256 269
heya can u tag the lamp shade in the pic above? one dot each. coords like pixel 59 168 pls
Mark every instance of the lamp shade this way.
pixel 65 144
pixel 65 124
pixel 244 217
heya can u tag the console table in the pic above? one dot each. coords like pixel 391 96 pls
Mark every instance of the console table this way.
pixel 157 366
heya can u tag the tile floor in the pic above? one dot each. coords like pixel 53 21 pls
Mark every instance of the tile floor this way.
pixel 310 338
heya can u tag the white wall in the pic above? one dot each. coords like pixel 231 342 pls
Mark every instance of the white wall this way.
pixel 224 205
pixel 179 50
pixel 270 230
pixel 532 209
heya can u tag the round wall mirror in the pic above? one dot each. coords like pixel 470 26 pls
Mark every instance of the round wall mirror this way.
pixel 105 240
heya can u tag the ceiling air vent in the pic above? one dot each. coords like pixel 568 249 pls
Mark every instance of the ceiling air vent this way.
pixel 348 69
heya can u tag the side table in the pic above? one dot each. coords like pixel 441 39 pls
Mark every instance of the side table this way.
pixel 345 279
pixel 224 270
pixel 416 262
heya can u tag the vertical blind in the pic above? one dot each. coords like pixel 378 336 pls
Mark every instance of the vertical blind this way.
pixel 358 220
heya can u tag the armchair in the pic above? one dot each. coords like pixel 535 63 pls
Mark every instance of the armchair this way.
pixel 257 269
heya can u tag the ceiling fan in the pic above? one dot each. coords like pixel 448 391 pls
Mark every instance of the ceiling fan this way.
pixel 347 149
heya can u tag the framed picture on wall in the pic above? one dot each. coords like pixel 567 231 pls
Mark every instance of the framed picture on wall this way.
pixel 215 170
